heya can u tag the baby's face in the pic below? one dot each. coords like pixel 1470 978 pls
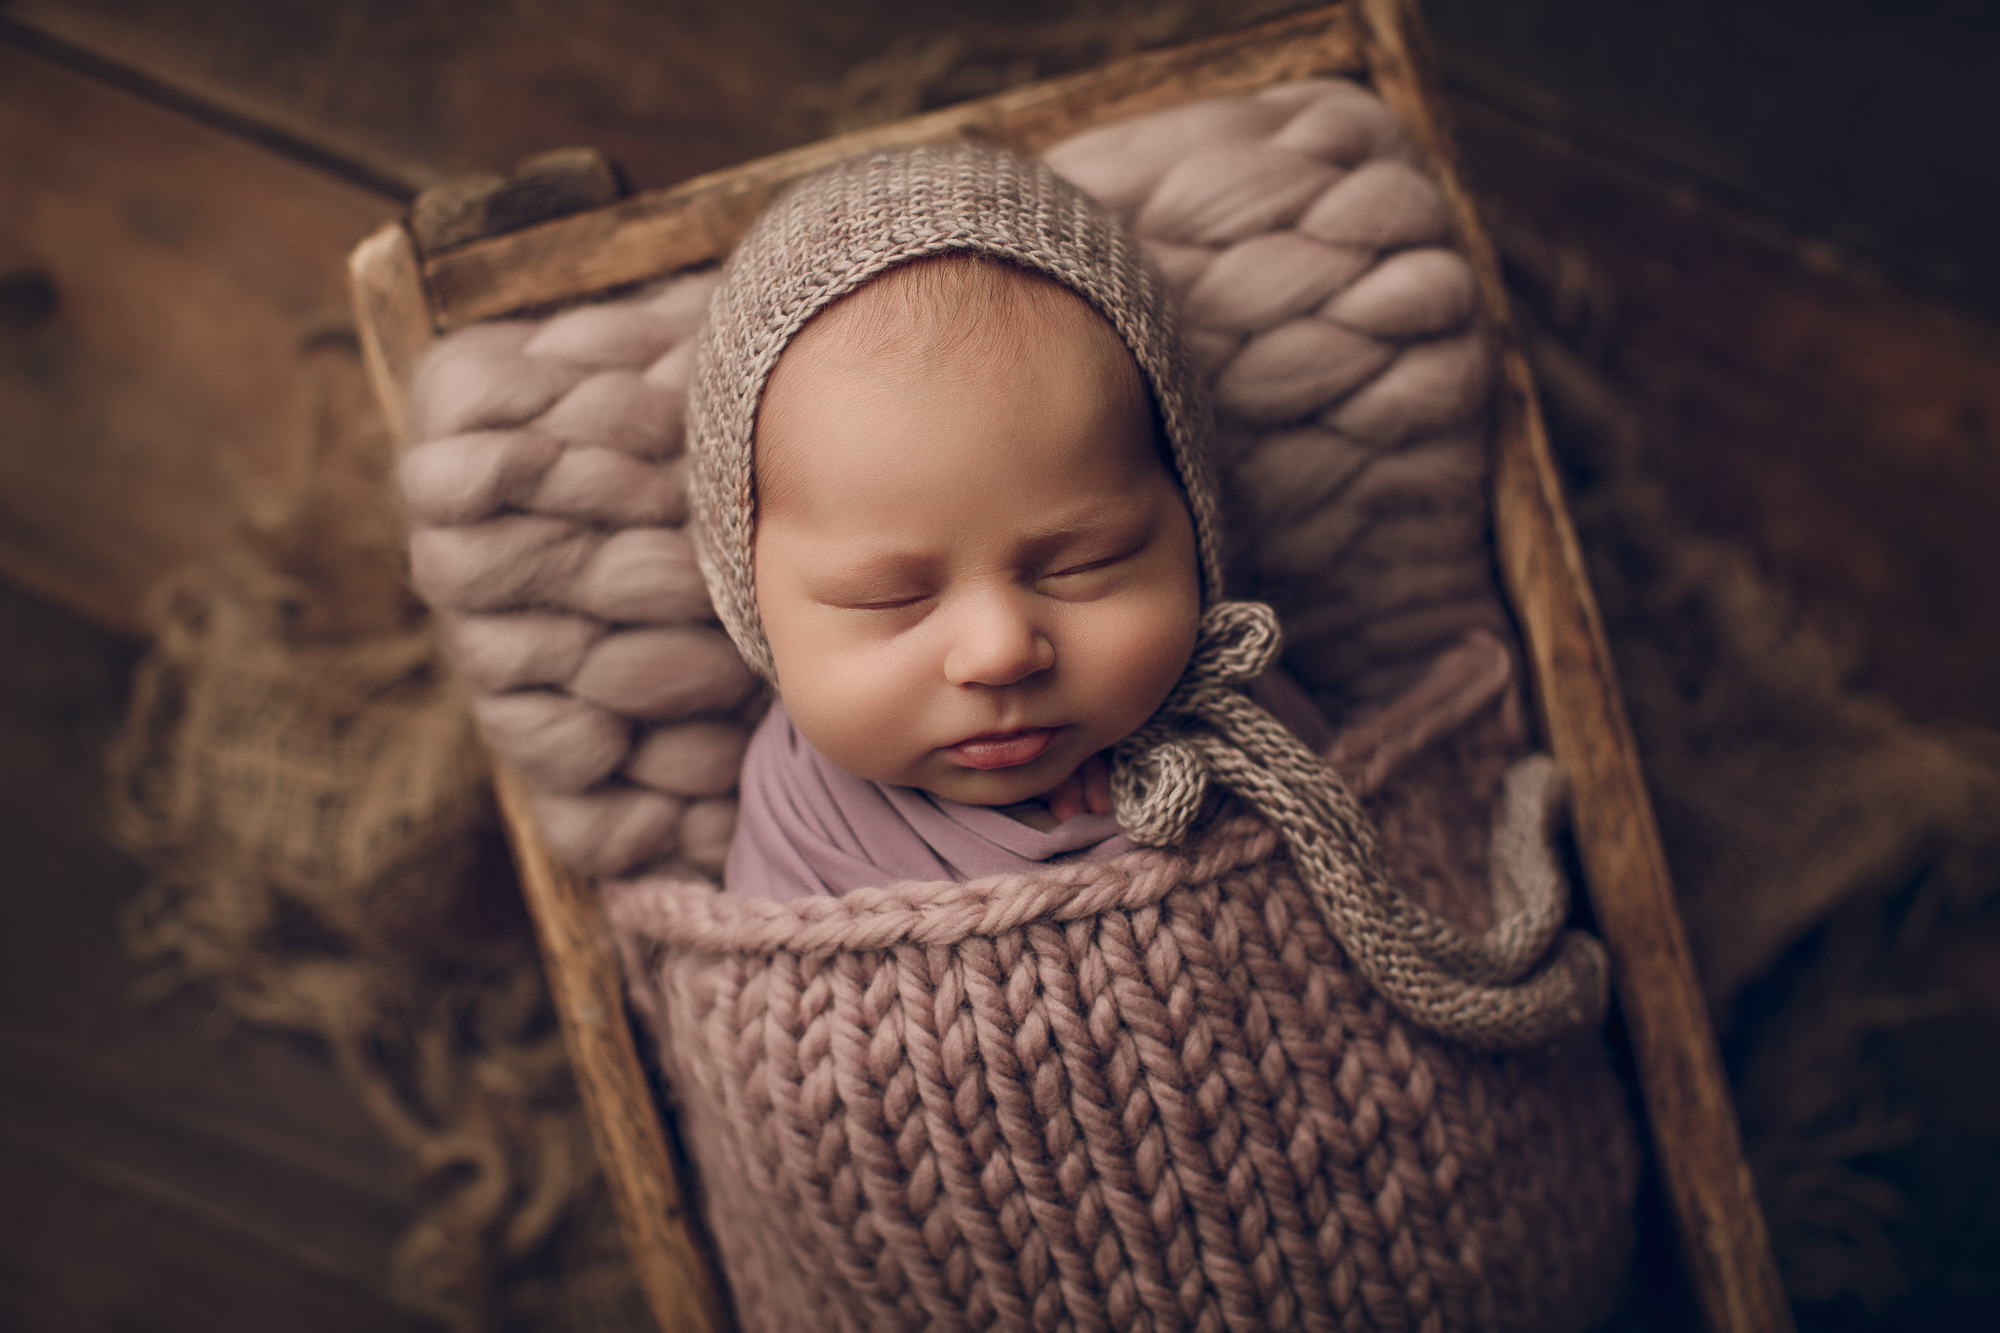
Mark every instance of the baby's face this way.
pixel 973 569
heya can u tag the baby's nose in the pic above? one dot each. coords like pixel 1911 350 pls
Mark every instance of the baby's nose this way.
pixel 994 642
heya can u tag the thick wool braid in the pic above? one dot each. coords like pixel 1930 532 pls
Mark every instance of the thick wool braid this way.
pixel 857 220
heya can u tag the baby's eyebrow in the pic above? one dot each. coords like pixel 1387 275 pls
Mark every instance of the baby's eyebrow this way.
pixel 1098 519
pixel 874 572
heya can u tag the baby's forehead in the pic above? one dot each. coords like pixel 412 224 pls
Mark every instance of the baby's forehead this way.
pixel 974 330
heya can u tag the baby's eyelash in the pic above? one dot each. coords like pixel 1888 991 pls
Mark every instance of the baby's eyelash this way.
pixel 887 604
pixel 1091 566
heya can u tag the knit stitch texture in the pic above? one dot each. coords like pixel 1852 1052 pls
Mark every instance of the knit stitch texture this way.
pixel 1142 1094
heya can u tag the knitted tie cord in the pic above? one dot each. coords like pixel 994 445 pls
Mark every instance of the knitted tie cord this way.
pixel 1503 989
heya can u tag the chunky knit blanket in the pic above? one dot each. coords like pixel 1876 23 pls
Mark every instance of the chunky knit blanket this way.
pixel 1148 1093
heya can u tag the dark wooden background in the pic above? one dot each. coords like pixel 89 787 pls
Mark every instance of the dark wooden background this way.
pixel 1794 204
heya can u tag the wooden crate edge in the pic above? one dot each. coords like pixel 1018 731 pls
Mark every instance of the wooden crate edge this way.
pixel 697 221
pixel 1685 1088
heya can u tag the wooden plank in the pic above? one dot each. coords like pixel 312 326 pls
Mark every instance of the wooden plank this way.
pixel 158 1169
pixel 1844 432
pixel 419 95
pixel 161 280
pixel 667 88
pixel 392 318
pixel 659 232
pixel 588 988
pixel 1689 1110
pixel 235 1163
pixel 85 1255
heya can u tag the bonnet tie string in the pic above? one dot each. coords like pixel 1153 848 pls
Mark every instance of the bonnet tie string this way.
pixel 1524 982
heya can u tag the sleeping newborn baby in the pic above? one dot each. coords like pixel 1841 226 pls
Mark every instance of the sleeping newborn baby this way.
pixel 952 498
pixel 975 572
pixel 979 522
pixel 1038 1034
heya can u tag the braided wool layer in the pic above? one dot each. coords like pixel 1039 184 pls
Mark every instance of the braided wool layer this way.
pixel 1143 1094
pixel 1335 325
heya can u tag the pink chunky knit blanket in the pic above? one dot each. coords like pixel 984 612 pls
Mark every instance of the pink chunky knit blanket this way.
pixel 1146 1093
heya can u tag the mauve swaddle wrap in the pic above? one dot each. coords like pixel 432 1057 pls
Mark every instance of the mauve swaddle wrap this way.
pixel 809 827
pixel 1147 1092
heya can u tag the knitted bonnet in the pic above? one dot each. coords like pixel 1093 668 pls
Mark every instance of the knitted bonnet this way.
pixel 835 231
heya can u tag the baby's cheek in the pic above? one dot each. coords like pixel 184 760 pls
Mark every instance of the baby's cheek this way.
pixel 1139 656
pixel 854 711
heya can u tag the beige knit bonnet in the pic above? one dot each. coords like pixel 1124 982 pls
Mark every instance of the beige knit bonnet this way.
pixel 835 231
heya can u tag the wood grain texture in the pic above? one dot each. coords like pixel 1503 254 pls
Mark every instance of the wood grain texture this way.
pixel 1695 1133
pixel 697 222
pixel 419 93
pixel 159 1169
pixel 392 319
pixel 87 1252
pixel 163 280
pixel 1844 432
pixel 588 988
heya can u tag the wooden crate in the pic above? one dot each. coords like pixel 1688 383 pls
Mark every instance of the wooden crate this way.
pixel 405 299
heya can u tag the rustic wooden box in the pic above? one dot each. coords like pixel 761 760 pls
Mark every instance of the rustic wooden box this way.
pixel 405 299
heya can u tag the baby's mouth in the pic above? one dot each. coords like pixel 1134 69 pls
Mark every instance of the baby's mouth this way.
pixel 1003 749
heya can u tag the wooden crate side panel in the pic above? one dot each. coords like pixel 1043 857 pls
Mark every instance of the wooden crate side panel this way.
pixel 1686 1091
pixel 673 1263
pixel 659 232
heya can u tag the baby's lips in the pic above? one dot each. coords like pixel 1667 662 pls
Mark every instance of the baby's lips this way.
pixel 1004 749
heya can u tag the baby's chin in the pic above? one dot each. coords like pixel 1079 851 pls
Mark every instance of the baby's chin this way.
pixel 994 787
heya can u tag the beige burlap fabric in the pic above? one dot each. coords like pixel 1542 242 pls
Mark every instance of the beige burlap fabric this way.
pixel 1145 1094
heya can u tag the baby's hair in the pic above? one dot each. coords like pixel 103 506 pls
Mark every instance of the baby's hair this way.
pixel 941 307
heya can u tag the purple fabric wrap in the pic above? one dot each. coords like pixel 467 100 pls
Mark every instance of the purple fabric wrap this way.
pixel 806 827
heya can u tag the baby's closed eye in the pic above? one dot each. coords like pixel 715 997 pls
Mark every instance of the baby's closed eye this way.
pixel 883 582
pixel 1092 561
pixel 864 597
